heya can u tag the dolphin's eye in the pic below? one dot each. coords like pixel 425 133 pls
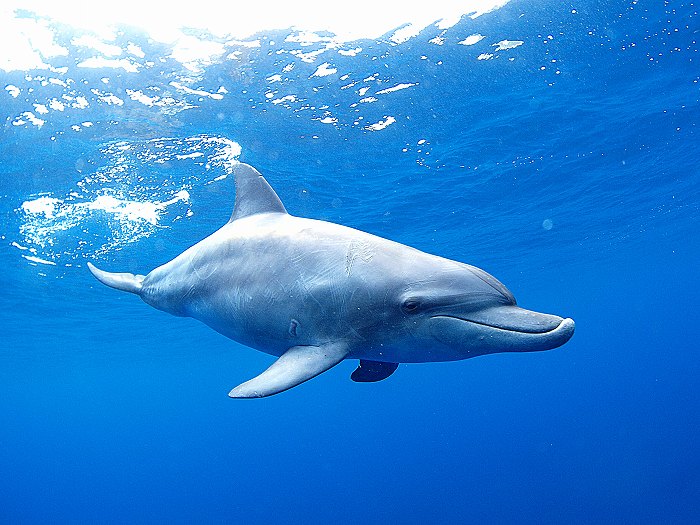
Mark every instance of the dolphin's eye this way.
pixel 410 306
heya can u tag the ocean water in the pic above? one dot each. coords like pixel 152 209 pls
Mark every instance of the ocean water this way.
pixel 554 145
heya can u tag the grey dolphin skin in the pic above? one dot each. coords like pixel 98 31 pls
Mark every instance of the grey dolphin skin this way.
pixel 313 293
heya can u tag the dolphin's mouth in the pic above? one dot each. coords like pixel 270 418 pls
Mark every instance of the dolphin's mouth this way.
pixel 523 330
pixel 511 318
pixel 502 328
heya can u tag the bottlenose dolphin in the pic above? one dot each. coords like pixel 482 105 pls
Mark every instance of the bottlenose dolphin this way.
pixel 314 293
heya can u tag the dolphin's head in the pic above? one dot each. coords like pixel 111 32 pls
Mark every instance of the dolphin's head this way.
pixel 460 311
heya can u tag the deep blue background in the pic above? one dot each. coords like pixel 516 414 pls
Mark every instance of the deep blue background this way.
pixel 112 412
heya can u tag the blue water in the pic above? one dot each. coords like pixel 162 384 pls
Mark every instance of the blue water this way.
pixel 566 166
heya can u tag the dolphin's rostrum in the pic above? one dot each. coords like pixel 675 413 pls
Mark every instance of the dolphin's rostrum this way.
pixel 314 293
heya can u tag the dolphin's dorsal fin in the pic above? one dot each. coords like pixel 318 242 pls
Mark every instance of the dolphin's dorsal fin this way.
pixel 253 194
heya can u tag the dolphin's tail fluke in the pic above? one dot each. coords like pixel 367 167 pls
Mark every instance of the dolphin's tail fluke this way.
pixel 127 282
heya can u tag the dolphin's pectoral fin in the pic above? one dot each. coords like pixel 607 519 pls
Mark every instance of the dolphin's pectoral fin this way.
pixel 296 365
pixel 372 371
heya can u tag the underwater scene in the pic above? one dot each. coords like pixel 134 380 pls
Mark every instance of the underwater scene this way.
pixel 385 221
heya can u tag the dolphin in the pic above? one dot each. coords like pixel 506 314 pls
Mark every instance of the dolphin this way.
pixel 313 293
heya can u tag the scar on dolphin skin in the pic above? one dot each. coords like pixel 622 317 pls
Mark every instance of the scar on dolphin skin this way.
pixel 357 250
pixel 261 282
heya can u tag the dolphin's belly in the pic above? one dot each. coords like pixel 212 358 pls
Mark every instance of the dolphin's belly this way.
pixel 285 285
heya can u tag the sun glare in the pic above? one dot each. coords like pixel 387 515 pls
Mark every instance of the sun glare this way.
pixel 164 20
